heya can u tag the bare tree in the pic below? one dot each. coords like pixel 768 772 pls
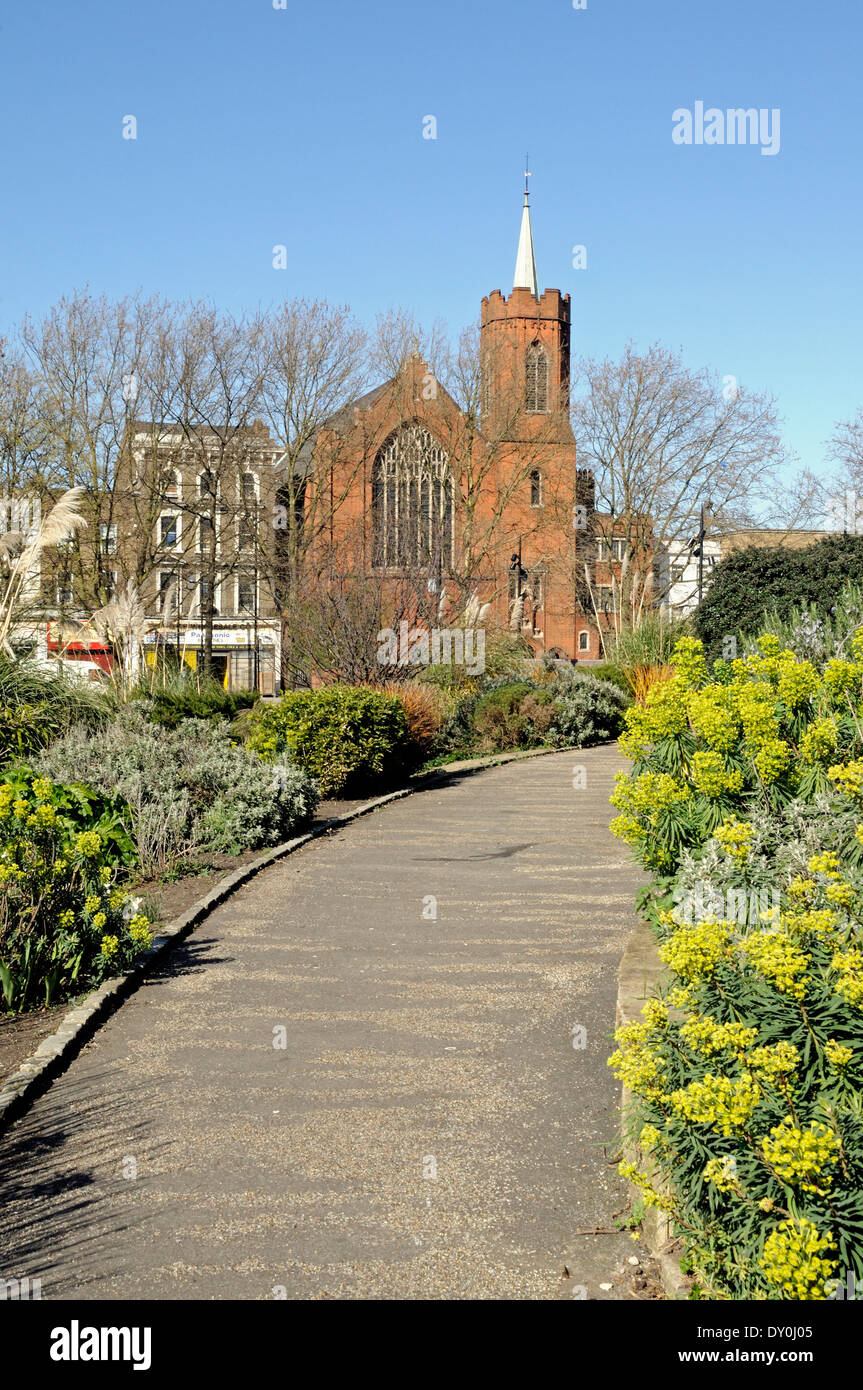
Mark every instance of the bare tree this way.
pixel 85 355
pixel 24 428
pixel 846 447
pixel 399 335
pixel 206 392
pixel 310 359
pixel 842 496
pixel 662 440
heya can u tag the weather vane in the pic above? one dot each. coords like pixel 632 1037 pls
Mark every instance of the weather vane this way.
pixel 527 173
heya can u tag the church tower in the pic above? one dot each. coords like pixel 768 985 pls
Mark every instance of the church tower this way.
pixel 526 354
pixel 525 346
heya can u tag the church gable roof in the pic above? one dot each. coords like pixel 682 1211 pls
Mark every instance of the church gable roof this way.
pixel 346 418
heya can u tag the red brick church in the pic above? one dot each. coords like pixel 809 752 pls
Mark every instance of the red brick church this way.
pixel 485 501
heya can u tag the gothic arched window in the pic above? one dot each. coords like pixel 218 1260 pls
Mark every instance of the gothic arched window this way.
pixel 536 391
pixel 412 503
pixel 535 488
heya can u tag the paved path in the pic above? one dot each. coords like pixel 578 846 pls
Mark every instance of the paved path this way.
pixel 428 1131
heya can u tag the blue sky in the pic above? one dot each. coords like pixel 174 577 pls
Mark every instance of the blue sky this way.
pixel 304 127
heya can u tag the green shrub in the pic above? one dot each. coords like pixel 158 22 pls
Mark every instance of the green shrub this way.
pixel 190 788
pixel 498 719
pixel 608 671
pixel 349 738
pixel 457 733
pixel 750 583
pixel 170 707
pixel 541 713
pixel 588 710
pixel 66 920
pixel 505 653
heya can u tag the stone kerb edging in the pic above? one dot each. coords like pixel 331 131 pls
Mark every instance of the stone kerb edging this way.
pixel 639 971
pixel 54 1053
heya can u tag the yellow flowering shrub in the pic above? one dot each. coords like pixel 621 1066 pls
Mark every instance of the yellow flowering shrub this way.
pixel 774 1062
pixel 689 662
pixel 819 742
pixel 694 952
pixel 800 1156
pixel 711 775
pixel 772 758
pixel 776 956
pixel 736 838
pixel 849 778
pixel 718 1101
pixel 793 1260
pixel 745 1083
pixel 713 718
pixel 842 677
pixel 704 1034
pixel 64 852
pixel 848 965
pixel 722 1173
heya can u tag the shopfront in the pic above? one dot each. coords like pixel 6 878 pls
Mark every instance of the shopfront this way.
pixel 243 658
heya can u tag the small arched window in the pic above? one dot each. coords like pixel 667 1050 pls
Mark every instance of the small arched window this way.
pixel 535 488
pixel 536 389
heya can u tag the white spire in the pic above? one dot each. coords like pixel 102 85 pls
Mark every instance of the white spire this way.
pixel 525 261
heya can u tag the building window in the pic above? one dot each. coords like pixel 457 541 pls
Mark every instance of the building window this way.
pixel 63 590
pixel 108 581
pixel 246 593
pixel 536 394
pixel 517 584
pixel 247 529
pixel 536 590
pixel 611 550
pixel 205 532
pixel 168 531
pixel 108 539
pixel 584 641
pixel 171 485
pixel 605 598
pixel 412 503
pixel 536 488
pixel 165 597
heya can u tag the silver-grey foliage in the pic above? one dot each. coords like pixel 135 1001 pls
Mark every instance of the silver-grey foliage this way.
pixel 190 789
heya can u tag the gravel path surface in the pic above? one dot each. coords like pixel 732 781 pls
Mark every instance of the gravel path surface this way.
pixel 428 1130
